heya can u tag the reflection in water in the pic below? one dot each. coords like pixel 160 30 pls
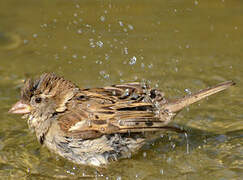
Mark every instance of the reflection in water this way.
pixel 173 45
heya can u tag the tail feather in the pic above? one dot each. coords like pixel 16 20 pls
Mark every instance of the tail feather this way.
pixel 179 104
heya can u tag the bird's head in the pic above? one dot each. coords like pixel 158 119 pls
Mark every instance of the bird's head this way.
pixel 44 96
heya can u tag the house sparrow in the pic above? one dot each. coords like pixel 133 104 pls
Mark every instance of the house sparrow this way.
pixel 95 126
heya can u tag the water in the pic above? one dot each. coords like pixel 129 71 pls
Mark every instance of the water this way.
pixel 177 46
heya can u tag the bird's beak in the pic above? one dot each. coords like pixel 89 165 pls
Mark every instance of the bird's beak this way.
pixel 20 108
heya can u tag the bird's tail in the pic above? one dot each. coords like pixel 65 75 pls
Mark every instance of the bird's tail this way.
pixel 179 104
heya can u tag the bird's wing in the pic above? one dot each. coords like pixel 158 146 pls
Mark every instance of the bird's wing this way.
pixel 115 109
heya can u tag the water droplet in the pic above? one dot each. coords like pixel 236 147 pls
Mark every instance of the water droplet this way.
pixel 35 35
pixel 144 154
pixel 130 27
pixel 104 74
pixel 99 43
pixel 74 56
pixel 133 60
pixel 126 93
pixel 79 31
pixel 89 123
pixel 150 65
pixel 92 44
pixel 102 18
pixel 120 23
pixel 187 143
pixel 98 62
pixel 188 91
pixel 43 26
pixel 75 14
pixel 106 56
pixel 125 50
pixel 56 56
pixel 114 93
pixel 142 65
pixel 25 41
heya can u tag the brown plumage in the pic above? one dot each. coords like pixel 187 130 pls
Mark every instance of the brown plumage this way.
pixel 94 126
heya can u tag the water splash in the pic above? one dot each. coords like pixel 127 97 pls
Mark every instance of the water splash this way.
pixel 133 60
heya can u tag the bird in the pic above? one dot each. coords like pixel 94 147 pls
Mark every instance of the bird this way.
pixel 96 126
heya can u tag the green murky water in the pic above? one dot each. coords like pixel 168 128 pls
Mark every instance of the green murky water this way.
pixel 177 46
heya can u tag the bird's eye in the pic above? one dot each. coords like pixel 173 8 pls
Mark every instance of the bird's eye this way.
pixel 38 100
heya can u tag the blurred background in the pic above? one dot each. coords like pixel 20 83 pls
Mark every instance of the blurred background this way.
pixel 177 46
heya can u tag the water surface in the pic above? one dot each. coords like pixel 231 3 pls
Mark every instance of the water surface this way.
pixel 177 46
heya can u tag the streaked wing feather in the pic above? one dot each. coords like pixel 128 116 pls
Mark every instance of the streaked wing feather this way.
pixel 114 109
